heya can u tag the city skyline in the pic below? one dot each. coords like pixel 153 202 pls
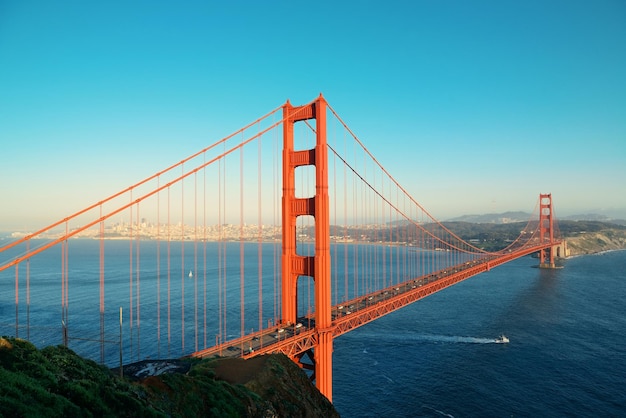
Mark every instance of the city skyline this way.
pixel 473 108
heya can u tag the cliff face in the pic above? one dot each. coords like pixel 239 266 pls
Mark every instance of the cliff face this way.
pixel 595 242
pixel 279 382
pixel 55 382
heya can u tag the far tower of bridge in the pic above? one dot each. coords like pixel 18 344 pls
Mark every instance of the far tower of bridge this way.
pixel 546 234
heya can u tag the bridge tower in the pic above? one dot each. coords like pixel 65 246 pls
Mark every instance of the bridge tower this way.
pixel 316 266
pixel 546 231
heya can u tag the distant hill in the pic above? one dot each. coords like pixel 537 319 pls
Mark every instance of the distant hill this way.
pixel 593 217
pixel 494 218
pixel 512 217
pixel 583 237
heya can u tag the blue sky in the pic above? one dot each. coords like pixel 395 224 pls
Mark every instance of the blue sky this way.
pixel 474 107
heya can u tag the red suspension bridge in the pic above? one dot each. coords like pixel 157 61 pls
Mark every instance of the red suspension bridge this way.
pixel 278 238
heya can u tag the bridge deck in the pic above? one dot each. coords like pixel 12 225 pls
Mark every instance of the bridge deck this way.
pixel 296 339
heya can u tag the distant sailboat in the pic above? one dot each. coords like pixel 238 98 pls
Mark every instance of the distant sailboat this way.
pixel 190 274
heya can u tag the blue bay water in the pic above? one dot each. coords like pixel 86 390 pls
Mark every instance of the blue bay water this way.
pixel 437 357
pixel 166 311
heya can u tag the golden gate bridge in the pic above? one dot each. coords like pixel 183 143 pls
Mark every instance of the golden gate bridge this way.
pixel 278 238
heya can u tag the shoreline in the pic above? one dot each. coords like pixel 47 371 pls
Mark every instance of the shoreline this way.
pixel 597 253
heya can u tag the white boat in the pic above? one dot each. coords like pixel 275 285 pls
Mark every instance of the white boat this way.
pixel 190 274
pixel 502 339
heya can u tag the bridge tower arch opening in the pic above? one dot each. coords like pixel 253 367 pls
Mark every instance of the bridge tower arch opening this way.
pixel 294 265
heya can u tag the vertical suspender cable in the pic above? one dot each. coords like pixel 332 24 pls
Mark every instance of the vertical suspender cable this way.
pixel 431 238
pixel 222 263
pixel 101 288
pixel 335 231
pixel 368 220
pixel 260 229
pixel 64 290
pixel 169 273
pixel 390 246
pixel 365 221
pixel 204 250
pixel 182 259
pixel 403 239
pixel 354 247
pixel 137 282
pixel 130 272
pixel 374 221
pixel 219 253
pixel 276 212
pixel 362 212
pixel 195 256
pixel 17 300
pixel 28 292
pixel 397 228
pixel 383 229
pixel 241 247
pixel 345 229
pixel 310 219
pixel 158 269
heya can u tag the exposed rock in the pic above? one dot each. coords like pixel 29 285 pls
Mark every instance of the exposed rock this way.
pixel 595 242
pixel 277 380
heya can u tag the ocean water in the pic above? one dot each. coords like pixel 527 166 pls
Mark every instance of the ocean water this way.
pixel 438 357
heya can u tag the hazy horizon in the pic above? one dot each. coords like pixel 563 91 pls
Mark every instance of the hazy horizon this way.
pixel 611 214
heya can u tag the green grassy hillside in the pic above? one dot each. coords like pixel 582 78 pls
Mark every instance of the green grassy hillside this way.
pixel 55 382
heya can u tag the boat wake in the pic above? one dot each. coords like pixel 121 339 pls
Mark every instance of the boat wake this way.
pixel 437 339
pixel 458 339
pixel 437 411
pixel 388 378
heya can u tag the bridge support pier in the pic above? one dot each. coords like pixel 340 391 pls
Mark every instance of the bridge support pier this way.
pixel 324 364
pixel 556 251
pixel 547 265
